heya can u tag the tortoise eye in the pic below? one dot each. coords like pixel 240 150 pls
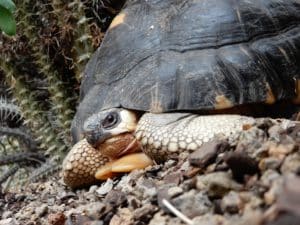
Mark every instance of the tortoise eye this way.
pixel 110 120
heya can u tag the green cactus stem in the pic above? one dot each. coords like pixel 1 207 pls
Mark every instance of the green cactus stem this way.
pixel 9 173
pixel 82 47
pixel 34 114
pixel 22 157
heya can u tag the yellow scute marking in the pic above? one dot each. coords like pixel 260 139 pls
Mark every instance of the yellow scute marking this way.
pixel 221 102
pixel 296 100
pixel 119 19
pixel 270 98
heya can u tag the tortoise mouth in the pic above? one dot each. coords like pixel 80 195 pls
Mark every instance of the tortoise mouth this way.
pixel 119 145
pixel 124 164
pixel 125 155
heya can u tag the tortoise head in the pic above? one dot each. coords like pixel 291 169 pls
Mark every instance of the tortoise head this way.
pixel 107 136
pixel 111 131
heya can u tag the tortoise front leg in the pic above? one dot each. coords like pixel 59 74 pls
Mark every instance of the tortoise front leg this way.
pixel 164 135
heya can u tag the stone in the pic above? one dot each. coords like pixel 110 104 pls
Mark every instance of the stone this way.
pixel 207 153
pixel 7 214
pixel 174 178
pixel 123 217
pixel 147 188
pixel 94 210
pixel 251 201
pixel 291 164
pixel 192 203
pixel 133 202
pixel 158 219
pixel 41 210
pixel 217 184
pixel 268 177
pixel 9 221
pixel 174 191
pixel 281 150
pixel 56 219
pixel 231 203
pixel 78 219
pixel 289 198
pixel 272 163
pixel 145 213
pixel 105 188
pixel 115 198
pixel 241 164
pixel 209 219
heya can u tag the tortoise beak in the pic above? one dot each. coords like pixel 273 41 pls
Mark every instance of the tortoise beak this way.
pixel 93 132
pixel 96 137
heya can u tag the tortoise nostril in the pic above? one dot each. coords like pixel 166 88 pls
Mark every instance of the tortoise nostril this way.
pixel 96 137
pixel 92 138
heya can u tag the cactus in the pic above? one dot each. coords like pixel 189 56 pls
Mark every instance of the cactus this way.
pixel 40 72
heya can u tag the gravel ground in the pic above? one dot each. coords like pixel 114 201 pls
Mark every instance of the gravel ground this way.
pixel 252 179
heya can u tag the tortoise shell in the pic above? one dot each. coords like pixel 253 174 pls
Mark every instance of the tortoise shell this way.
pixel 174 55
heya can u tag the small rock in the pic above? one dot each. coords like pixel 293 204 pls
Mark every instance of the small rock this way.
pixel 294 132
pixel 115 198
pixel 285 218
pixel 94 210
pixel 251 202
pixel 78 219
pixel 272 194
pixel 174 191
pixel 189 184
pixel 209 219
pixel 146 187
pixel 281 150
pixel 123 217
pixel 105 188
pixel 93 188
pixel 241 164
pixel 249 217
pixel 58 208
pixel 231 203
pixel 217 184
pixel 41 210
pixel 193 171
pixel 159 219
pixel 162 193
pixel 269 163
pixel 133 202
pixel 145 213
pixel 207 153
pixel 291 164
pixel 9 221
pixel 96 223
pixel 268 177
pixel 56 219
pixel 251 141
pixel 192 204
pixel 275 131
pixel 173 178
pixel 262 151
pixel 170 163
pixel 7 214
pixel 126 184
pixel 289 198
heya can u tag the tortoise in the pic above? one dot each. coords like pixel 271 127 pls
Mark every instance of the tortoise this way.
pixel 172 74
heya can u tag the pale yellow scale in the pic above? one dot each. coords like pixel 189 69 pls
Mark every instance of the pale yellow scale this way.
pixel 185 133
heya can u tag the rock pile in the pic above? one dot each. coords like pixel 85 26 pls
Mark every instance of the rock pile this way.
pixel 252 179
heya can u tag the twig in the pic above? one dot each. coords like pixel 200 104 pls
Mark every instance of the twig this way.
pixel 177 213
